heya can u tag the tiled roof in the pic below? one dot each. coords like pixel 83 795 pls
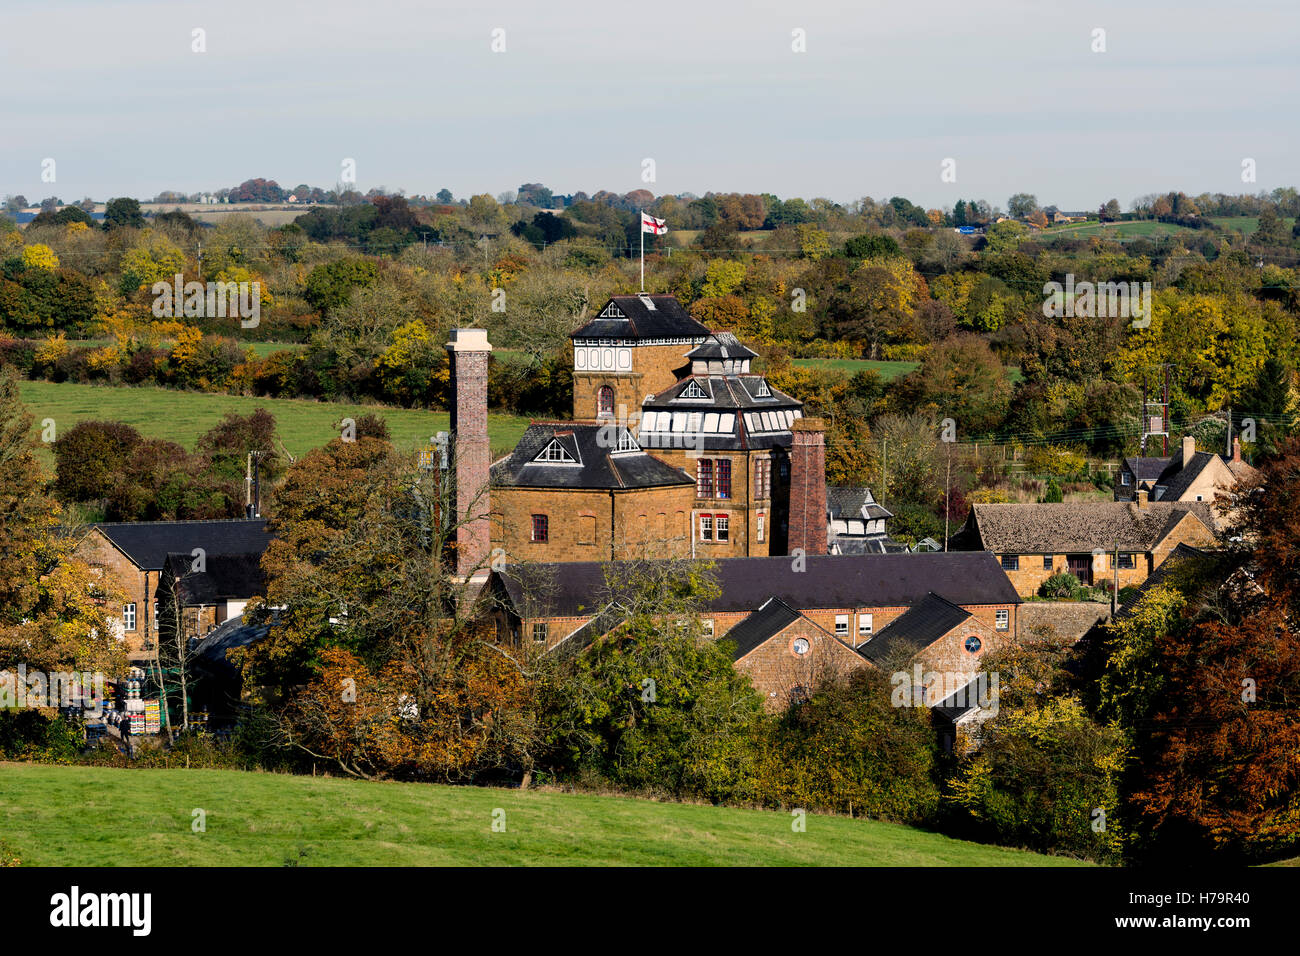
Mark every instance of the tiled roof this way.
pixel 147 543
pixel 915 629
pixel 1076 527
pixel 574 589
pixel 596 463
pixel 642 317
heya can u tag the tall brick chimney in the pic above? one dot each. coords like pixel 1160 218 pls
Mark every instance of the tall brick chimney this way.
pixel 1236 448
pixel 808 486
pixel 469 350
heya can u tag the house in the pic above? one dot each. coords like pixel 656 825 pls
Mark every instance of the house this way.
pixel 1097 542
pixel 855 522
pixel 133 555
pixel 786 654
pixel 195 596
pixel 740 438
pixel 584 491
pixel 1190 475
pixel 712 462
pixel 852 597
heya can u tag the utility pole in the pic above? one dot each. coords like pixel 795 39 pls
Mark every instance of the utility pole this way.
pixel 884 468
pixel 1114 591
pixel 947 497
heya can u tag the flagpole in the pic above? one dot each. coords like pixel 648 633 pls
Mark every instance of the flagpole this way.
pixel 640 215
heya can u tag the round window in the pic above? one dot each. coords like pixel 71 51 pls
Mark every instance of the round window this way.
pixel 973 644
pixel 800 646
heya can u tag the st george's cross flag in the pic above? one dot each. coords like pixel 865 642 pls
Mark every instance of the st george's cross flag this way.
pixel 656 227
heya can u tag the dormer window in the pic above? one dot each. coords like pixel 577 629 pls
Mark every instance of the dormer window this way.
pixel 612 311
pixel 555 452
pixel 693 389
pixel 762 391
pixel 626 442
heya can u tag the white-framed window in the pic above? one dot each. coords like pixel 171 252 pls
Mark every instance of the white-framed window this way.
pixel 866 625
pixel 128 617
pixel 760 523
pixel 1003 618
pixel 708 626
pixel 1047 562
pixel 800 646
pixel 554 451
pixel 841 625
pixel 722 527
pixel 1125 478
pixel 706 527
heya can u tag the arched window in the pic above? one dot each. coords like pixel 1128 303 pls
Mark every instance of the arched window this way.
pixel 605 401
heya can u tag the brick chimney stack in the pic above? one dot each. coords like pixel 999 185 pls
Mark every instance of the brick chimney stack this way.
pixel 1189 449
pixel 808 486
pixel 469 350
pixel 1236 448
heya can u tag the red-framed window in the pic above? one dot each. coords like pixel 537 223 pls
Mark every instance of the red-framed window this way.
pixel 704 478
pixel 541 528
pixel 722 480
pixel 605 401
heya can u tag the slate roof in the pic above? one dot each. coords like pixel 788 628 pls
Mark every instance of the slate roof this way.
pixel 667 319
pixel 866 544
pixel 964 699
pixel 147 543
pixel 1147 469
pixel 847 501
pixel 721 345
pixel 728 395
pixel 596 463
pixel 1176 480
pixel 915 629
pixel 768 621
pixel 209 654
pixel 575 589
pixel 727 391
pixel 1075 527
pixel 225 577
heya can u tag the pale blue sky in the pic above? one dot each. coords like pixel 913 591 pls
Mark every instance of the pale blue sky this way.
pixel 711 90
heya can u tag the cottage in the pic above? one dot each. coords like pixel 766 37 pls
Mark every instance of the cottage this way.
pixel 1097 542
pixel 851 597
pixel 133 556
pixel 1190 475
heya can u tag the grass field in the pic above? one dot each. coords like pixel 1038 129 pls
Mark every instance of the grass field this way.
pixel 82 816
pixel 183 416
pixel 888 371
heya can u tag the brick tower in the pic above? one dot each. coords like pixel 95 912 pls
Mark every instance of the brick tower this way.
pixel 469 350
pixel 808 486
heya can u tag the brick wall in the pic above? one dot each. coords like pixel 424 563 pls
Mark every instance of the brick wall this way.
pixel 741 508
pixel 776 670
pixel 584 525
pixel 654 368
pixel 136 586
pixel 808 487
